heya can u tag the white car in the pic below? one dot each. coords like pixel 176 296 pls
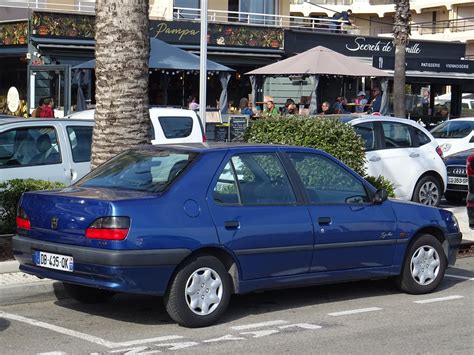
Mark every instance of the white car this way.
pixel 170 125
pixel 406 154
pixel 455 135
pixel 47 149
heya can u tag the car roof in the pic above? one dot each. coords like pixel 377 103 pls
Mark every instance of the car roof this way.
pixel 6 121
pixel 470 119
pixel 234 146
pixel 372 118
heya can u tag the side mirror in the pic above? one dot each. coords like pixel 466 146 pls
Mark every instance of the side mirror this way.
pixel 380 196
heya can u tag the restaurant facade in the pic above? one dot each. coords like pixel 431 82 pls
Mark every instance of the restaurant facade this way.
pixel 37 54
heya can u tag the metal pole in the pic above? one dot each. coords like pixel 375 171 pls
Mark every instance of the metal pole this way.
pixel 203 63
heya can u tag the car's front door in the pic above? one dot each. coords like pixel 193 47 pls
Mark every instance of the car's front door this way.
pixel 80 141
pixel 258 217
pixel 350 231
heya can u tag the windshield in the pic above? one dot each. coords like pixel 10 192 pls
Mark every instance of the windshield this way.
pixel 453 129
pixel 141 170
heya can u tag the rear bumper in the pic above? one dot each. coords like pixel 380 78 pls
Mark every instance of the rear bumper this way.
pixel 136 271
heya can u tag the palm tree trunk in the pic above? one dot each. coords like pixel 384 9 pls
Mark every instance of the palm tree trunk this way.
pixel 121 50
pixel 401 36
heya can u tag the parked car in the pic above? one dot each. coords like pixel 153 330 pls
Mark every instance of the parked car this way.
pixel 470 193
pixel 455 135
pixel 170 125
pixel 196 224
pixel 404 153
pixel 48 149
pixel 457 188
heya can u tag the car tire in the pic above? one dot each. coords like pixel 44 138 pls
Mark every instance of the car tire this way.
pixel 86 294
pixel 455 197
pixel 199 292
pixel 424 266
pixel 428 191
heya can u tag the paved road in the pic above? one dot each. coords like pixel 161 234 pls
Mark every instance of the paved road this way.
pixel 363 317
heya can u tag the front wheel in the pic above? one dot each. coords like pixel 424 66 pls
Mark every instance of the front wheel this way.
pixel 424 266
pixel 199 293
pixel 428 191
pixel 86 294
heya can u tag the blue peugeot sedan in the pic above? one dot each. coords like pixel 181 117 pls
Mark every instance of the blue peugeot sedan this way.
pixel 196 224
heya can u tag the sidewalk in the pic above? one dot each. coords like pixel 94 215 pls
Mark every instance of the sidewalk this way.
pixel 17 287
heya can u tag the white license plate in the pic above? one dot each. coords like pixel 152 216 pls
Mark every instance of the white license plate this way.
pixel 457 180
pixel 54 261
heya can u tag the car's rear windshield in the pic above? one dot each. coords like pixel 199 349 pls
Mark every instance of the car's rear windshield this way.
pixel 141 170
pixel 453 129
pixel 176 127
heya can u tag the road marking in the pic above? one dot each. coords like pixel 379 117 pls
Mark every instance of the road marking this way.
pixel 460 277
pixel 301 325
pixel 261 333
pixel 83 336
pixel 354 311
pixel 178 346
pixel 440 299
pixel 259 325
pixel 224 338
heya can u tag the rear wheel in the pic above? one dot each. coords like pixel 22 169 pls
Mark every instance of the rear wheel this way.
pixel 86 294
pixel 428 191
pixel 199 293
pixel 424 266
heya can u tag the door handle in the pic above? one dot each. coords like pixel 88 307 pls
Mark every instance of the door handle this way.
pixel 324 221
pixel 73 174
pixel 232 224
pixel 414 155
pixel 375 158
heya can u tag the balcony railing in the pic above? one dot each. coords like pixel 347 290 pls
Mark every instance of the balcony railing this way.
pixel 81 6
pixel 462 25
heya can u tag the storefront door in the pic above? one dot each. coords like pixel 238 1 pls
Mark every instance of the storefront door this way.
pixel 50 82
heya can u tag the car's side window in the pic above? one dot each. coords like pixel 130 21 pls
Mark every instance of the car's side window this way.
pixel 226 191
pixel 422 137
pixel 29 147
pixel 80 139
pixel 260 180
pixel 397 135
pixel 367 132
pixel 327 182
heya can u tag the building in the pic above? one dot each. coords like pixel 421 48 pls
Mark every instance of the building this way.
pixel 41 40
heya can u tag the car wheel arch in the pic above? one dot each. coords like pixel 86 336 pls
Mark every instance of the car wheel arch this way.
pixel 426 174
pixel 433 231
pixel 224 256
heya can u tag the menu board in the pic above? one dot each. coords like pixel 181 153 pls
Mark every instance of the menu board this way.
pixel 222 133
pixel 237 127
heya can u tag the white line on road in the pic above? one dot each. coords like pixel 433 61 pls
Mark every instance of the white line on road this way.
pixel 259 325
pixel 460 277
pixel 354 311
pixel 440 299
pixel 83 336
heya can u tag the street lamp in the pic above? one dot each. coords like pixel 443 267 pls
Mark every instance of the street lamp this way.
pixel 203 64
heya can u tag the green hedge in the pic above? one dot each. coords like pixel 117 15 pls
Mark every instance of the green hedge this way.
pixel 10 194
pixel 381 183
pixel 329 134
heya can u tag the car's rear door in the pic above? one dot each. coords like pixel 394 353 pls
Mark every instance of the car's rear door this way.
pixel 79 141
pixel 350 231
pixel 259 217
pixel 37 151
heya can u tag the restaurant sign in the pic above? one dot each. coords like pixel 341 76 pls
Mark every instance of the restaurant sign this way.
pixel 218 34
pixel 426 64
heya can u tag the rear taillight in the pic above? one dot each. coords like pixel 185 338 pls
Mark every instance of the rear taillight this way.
pixel 109 228
pixel 204 138
pixel 22 221
pixel 439 151
pixel 469 165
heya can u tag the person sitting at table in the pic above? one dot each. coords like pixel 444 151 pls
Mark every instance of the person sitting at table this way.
pixel 245 108
pixel 360 102
pixel 325 108
pixel 289 108
pixel 270 108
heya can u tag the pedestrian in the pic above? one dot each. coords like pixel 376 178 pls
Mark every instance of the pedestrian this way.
pixel 325 108
pixel 376 102
pixel 270 109
pixel 289 108
pixel 245 107
pixel 360 102
pixel 47 109
pixel 37 111
pixel 193 105
pixel 339 18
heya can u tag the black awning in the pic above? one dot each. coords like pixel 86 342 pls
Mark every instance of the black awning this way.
pixel 13 51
